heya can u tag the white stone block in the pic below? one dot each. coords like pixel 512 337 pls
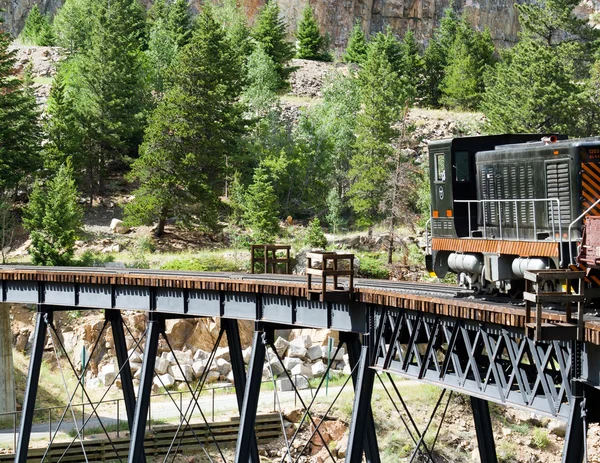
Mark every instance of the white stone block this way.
pixel 281 346
pixel 246 354
pixel 201 355
pixel 184 358
pixel 165 380
pixel 302 370
pixel 275 366
pixel 314 352
pixel 199 366
pixel 161 366
pixel 223 366
pixel 107 374
pixel 319 369
pixel 284 384
pixel 222 353
pixel 212 377
pixel 302 341
pixel 339 356
pixel 296 351
pixel 186 373
pixel 291 362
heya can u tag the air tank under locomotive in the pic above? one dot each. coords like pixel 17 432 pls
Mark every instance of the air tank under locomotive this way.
pixel 505 204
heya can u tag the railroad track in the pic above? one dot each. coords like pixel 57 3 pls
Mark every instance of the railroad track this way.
pixel 156 442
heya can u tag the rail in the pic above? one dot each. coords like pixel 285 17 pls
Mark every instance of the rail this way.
pixel 571 260
pixel 116 419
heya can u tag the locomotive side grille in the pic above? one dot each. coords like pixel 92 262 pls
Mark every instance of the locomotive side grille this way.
pixel 488 191
pixel 557 182
pixel 590 186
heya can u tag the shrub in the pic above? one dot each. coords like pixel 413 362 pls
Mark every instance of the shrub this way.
pixel 540 438
pixel 373 266
pixel 315 238
pixel 208 263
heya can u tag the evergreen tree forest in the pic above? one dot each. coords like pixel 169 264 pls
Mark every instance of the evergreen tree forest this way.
pixel 187 108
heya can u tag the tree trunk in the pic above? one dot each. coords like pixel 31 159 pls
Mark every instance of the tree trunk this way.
pixel 162 221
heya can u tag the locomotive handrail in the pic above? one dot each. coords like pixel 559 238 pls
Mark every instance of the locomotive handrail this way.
pixel 551 201
pixel 428 237
pixel 571 261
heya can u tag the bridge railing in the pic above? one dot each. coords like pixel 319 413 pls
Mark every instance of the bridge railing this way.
pixel 113 414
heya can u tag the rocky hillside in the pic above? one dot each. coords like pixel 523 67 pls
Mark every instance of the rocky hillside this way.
pixel 337 17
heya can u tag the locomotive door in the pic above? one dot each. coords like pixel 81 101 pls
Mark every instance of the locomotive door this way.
pixel 464 187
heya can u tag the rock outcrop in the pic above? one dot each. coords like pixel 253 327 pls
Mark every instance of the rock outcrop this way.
pixel 337 17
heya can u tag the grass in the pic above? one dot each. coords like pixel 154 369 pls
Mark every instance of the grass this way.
pixel 42 80
pixel 540 439
pixel 506 452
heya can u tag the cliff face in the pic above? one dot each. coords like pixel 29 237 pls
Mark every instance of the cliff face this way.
pixel 337 17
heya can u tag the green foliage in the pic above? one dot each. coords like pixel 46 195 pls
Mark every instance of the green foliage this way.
pixel 180 22
pixel 261 209
pixel 236 199
pixel 8 222
pixel 356 51
pixel 383 99
pixel 436 58
pixel 374 265
pixel 19 127
pixel 195 127
pixel 37 29
pixel 335 207
pixel 231 15
pixel 411 64
pixel 271 32
pixel 92 259
pixel 589 116
pixel 315 238
pixel 206 263
pixel 263 82
pixel 161 52
pixel 390 46
pixel 540 439
pixel 471 56
pixel 53 218
pixel 530 90
pixel 73 25
pixel 107 85
pixel 310 42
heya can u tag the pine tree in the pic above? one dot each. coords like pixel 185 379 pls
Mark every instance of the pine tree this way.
pixel 436 58
pixel 192 134
pixel 260 94
pixel 271 32
pixel 231 15
pixel 530 90
pixel 180 22
pixel 159 11
pixel 383 98
pixel 19 122
pixel 73 24
pixel 356 51
pixel 310 41
pixel 108 87
pixel 53 218
pixel 315 238
pixel 589 117
pixel 161 52
pixel 460 86
pixel 37 30
pixel 335 206
pixel 411 64
pixel 261 209
pixel 389 45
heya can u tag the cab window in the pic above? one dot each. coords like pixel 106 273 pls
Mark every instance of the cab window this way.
pixel 461 166
pixel 440 167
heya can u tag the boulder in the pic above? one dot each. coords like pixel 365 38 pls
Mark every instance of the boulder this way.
pixel 222 353
pixel 117 226
pixel 161 366
pixel 165 380
pixel 107 374
pixel 246 354
pixel 223 367
pixel 284 384
pixel 302 370
pixel 201 355
pixel 178 331
pixel 558 428
pixel 296 351
pixel 185 373
pixel 275 366
pixel 314 352
pixel 281 346
pixel 212 377
pixel 291 362
pixel 303 341
pixel 169 357
pixel 339 356
pixel 135 366
pixel 184 357
pixel 199 366
pixel 319 369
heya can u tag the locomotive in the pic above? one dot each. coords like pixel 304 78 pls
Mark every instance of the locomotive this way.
pixel 505 204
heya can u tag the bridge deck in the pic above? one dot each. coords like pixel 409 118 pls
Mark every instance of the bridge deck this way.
pixel 39 285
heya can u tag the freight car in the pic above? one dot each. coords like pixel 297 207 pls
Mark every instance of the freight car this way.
pixel 505 204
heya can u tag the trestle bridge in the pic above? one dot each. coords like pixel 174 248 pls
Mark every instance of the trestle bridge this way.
pixel 425 332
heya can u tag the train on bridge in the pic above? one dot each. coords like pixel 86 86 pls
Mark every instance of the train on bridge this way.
pixel 503 205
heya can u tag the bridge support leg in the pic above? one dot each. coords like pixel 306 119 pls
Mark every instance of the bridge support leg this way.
pixel 575 444
pixel 250 403
pixel 362 409
pixel 31 388
pixel 370 444
pixel 116 322
pixel 138 430
pixel 239 374
pixel 485 433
